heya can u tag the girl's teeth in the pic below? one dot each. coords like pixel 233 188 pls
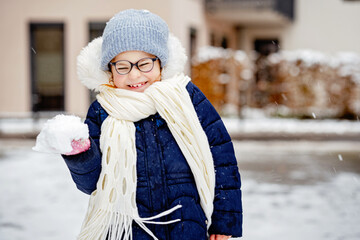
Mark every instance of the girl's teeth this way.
pixel 137 85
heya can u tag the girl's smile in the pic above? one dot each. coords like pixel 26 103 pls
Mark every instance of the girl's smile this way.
pixel 140 87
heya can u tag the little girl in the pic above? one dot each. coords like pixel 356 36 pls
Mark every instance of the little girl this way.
pixel 153 153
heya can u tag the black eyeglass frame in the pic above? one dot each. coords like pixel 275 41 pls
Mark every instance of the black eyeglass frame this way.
pixel 133 64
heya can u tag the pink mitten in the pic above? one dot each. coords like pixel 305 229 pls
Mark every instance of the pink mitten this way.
pixel 79 146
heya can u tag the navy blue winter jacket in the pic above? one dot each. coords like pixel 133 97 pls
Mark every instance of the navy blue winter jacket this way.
pixel 164 177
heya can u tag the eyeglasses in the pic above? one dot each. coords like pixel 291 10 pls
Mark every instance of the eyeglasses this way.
pixel 123 67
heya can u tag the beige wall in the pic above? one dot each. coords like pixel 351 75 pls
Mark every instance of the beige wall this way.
pixel 186 14
pixel 16 16
pixel 14 94
pixel 222 29
pixel 325 25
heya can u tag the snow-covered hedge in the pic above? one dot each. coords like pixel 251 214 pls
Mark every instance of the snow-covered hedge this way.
pixel 301 83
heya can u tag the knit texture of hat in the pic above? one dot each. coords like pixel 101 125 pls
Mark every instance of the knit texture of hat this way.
pixel 135 30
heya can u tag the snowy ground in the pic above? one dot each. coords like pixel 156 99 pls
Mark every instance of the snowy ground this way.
pixel 255 122
pixel 39 200
pixel 259 124
pixel 300 190
pixel 291 190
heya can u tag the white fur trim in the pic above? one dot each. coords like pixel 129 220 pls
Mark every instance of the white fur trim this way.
pixel 89 63
pixel 177 58
pixel 88 66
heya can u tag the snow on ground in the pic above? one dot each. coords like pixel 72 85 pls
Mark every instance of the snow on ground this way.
pixel 257 121
pixel 323 211
pixel 300 190
pixel 278 125
pixel 39 199
pixel 280 201
pixel 251 124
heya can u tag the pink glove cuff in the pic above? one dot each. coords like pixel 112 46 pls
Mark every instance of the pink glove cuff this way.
pixel 79 146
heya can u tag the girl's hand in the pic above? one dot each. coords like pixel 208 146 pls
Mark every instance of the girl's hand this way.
pixel 219 237
pixel 79 146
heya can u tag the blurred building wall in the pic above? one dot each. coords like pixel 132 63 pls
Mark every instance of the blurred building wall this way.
pixel 325 25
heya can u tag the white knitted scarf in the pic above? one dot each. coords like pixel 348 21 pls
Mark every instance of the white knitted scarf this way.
pixel 112 206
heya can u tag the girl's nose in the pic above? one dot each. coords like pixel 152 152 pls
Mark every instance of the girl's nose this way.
pixel 134 73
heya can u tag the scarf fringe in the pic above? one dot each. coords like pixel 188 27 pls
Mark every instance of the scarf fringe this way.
pixel 107 225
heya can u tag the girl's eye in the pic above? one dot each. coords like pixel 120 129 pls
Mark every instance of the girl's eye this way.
pixel 122 68
pixel 144 64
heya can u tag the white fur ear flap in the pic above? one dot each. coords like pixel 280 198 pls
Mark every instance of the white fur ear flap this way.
pixel 88 66
pixel 177 58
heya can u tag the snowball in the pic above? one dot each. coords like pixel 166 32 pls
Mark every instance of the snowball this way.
pixel 58 133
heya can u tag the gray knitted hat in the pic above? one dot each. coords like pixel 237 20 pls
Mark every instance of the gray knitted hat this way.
pixel 135 30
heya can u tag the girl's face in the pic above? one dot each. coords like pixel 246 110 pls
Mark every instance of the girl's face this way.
pixel 135 80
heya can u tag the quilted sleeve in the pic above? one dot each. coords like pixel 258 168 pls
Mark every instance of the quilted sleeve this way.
pixel 227 216
pixel 85 167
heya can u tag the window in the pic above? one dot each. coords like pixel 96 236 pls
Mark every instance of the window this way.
pixel 224 42
pixel 193 40
pixel 193 44
pixel 266 46
pixel 212 39
pixel 47 66
pixel 95 30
